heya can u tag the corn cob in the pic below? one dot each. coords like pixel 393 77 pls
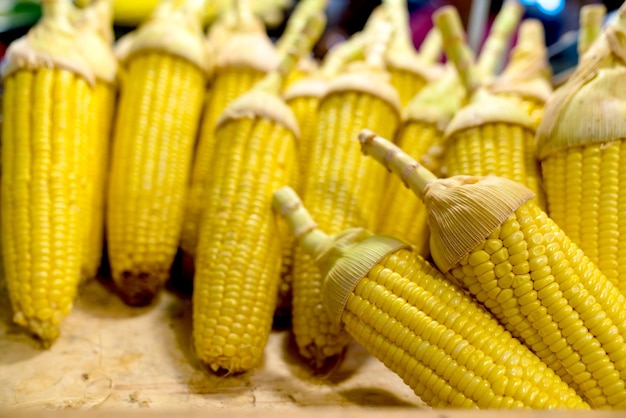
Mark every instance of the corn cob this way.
pixel 491 133
pixel 243 61
pixel 494 49
pixel 580 145
pixel 238 257
pixel 425 119
pixel 46 83
pixel 491 239
pixel 151 152
pixel 409 71
pixel 362 96
pixel 526 78
pixel 95 43
pixel 447 348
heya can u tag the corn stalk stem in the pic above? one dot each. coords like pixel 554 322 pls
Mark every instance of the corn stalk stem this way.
pixel 591 21
pixel 414 176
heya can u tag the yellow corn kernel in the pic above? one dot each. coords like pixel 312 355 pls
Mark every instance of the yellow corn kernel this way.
pixel 228 84
pixel 445 346
pixel 238 258
pixel 44 134
pixel 590 215
pixel 100 125
pixel 566 310
pixel 158 114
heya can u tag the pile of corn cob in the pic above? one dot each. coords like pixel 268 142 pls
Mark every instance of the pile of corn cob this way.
pixel 250 159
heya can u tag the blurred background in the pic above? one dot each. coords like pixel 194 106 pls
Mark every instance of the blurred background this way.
pixel 560 19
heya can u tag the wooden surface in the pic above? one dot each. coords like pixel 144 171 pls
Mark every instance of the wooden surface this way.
pixel 112 357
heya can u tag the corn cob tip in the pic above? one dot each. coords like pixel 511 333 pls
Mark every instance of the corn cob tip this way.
pixel 138 288
pixel 46 332
pixel 462 210
pixel 51 42
pixel 485 108
pixel 306 87
pixel 177 32
pixel 589 108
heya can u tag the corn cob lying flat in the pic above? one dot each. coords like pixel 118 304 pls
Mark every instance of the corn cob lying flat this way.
pixel 580 144
pixel 47 89
pixel 491 134
pixel 95 42
pixel 403 311
pixel 158 113
pixel 425 118
pixel 488 237
pixel 244 60
pixel 239 252
pixel 339 198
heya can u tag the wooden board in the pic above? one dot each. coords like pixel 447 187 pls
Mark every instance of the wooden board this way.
pixel 114 357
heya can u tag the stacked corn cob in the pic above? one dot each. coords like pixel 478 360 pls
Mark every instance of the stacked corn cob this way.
pixel 341 198
pixel 242 60
pixel 488 236
pixel 490 135
pixel 47 86
pixel 580 147
pixel 238 255
pixel 401 309
pixel 165 71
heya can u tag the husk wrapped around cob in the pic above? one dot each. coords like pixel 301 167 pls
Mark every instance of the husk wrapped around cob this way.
pixel 446 347
pixel 489 135
pixel 360 96
pixel 581 147
pixel 490 238
pixel 239 250
pixel 163 81
pixel 246 56
pixel 48 86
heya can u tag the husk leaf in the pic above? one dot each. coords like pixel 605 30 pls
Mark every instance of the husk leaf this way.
pixel 590 108
pixel 50 43
pixel 464 210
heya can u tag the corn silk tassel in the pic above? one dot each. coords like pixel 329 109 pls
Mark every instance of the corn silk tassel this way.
pixel 490 134
pixel 526 78
pixel 401 309
pixel 580 143
pixel 421 135
pixel 245 58
pixel 239 250
pixel 361 96
pixel 165 73
pixel 409 71
pixel 491 239
pixel 96 43
pixel 48 86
